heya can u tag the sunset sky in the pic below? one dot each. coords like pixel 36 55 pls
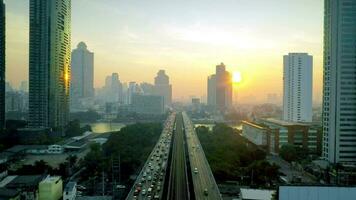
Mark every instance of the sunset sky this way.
pixel 187 38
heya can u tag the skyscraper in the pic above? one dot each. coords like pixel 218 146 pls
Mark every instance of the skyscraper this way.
pixel 82 71
pixel 2 64
pixel 220 88
pixel 211 91
pixel 49 69
pixel 339 92
pixel 297 87
pixel 162 87
pixel 116 88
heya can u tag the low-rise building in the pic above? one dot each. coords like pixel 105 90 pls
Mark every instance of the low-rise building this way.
pixel 256 194
pixel 272 134
pixel 50 188
pixel 316 193
pixel 27 185
pixel 9 194
pixel 70 191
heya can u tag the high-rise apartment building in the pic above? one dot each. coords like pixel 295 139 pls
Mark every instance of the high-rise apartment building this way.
pixel 82 72
pixel 297 87
pixel 162 87
pixel 49 68
pixel 220 88
pixel 2 64
pixel 339 92
pixel 211 97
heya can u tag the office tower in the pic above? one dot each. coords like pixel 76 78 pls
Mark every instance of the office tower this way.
pixel 147 88
pixel 2 64
pixel 49 70
pixel 82 71
pixel 220 88
pixel 132 89
pixel 339 92
pixel 211 90
pixel 116 88
pixel 147 104
pixel 162 87
pixel 24 86
pixel 223 87
pixel 297 87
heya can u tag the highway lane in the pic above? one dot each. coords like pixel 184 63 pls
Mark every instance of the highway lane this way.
pixel 178 183
pixel 205 187
pixel 149 182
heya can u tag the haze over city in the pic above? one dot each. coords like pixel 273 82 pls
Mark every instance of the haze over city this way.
pixel 187 39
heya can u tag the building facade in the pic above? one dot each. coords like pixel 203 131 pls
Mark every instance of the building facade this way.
pixel 163 87
pixel 297 87
pixel 339 92
pixel 2 64
pixel 220 88
pixel 50 188
pixel 82 74
pixel 147 104
pixel 272 134
pixel 49 68
pixel 211 99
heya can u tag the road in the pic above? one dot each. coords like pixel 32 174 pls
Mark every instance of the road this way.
pixel 150 181
pixel 205 187
pixel 178 182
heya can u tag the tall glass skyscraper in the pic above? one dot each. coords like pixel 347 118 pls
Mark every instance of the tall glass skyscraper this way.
pixel 339 95
pixel 2 64
pixel 49 73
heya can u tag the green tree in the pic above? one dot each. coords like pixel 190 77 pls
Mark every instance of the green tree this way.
pixel 288 152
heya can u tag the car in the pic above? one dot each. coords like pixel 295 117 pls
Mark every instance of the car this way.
pixel 143 192
pixel 149 178
pixel 206 192
pixel 195 170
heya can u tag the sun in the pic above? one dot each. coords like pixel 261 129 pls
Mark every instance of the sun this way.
pixel 236 77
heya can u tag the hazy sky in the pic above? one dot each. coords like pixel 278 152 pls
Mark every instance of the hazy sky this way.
pixel 187 38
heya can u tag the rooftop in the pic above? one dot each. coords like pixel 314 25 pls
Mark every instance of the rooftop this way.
pixel 253 124
pixel 25 180
pixel 283 122
pixel 70 186
pixel 8 193
pixel 256 194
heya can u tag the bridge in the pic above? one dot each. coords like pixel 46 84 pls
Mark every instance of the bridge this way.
pixel 177 168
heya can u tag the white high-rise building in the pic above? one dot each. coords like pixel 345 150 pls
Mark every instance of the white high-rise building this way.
pixel 339 92
pixel 297 87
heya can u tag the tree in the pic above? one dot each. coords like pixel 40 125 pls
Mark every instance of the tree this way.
pixel 288 152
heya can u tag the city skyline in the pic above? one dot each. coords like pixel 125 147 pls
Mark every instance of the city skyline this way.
pixel 177 47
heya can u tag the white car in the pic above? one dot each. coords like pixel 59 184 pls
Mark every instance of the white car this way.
pixel 195 170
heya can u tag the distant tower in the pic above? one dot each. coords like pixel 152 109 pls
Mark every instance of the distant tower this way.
pixel 297 87
pixel 82 68
pixel 49 68
pixel 220 88
pixel 2 64
pixel 116 88
pixel 339 92
pixel 162 87
pixel 211 90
